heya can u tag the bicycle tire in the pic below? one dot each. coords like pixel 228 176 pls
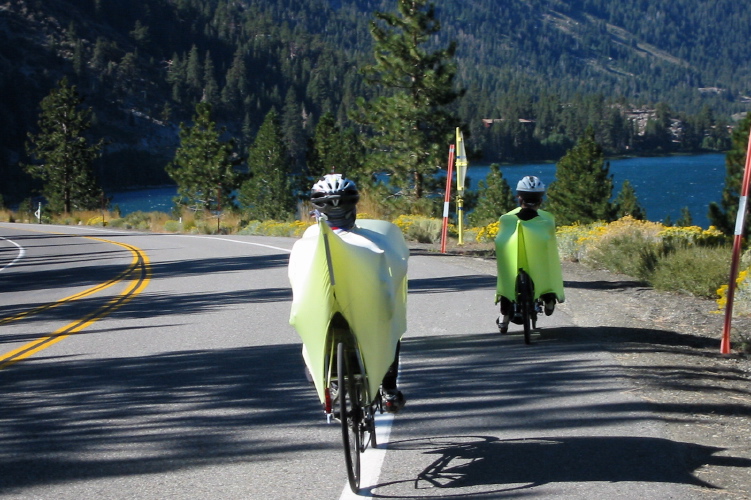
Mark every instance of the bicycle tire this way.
pixel 368 424
pixel 526 301
pixel 350 416
pixel 372 428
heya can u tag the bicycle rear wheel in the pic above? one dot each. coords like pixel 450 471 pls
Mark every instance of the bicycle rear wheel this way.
pixel 525 299
pixel 350 415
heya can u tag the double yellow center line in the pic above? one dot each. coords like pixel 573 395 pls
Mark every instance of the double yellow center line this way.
pixel 139 274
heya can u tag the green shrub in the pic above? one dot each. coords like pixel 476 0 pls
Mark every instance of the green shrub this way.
pixel 700 271
pixel 632 254
pixel 573 241
pixel 419 228
pixel 275 228
pixel 172 226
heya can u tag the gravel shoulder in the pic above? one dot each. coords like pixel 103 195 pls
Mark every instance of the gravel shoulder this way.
pixel 669 347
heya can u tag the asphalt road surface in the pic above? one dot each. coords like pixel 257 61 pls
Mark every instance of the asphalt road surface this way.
pixel 148 366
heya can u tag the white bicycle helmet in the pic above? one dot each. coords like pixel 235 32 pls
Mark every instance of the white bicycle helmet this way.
pixel 530 184
pixel 336 197
pixel 530 190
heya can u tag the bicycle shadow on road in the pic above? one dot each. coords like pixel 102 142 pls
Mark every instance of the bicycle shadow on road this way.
pixel 487 464
pixel 499 389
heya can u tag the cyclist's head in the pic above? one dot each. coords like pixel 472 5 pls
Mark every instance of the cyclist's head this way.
pixel 530 190
pixel 336 197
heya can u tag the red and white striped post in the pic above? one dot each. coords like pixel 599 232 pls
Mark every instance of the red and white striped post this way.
pixel 740 221
pixel 444 229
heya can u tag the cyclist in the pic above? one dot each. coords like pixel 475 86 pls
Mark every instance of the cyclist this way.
pixel 539 252
pixel 335 199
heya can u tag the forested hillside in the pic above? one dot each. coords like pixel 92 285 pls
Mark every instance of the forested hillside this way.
pixel 652 77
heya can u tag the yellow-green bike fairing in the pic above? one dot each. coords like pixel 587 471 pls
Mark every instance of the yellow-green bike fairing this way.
pixel 369 288
pixel 529 245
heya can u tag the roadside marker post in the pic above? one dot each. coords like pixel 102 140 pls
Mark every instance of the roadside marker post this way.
pixel 740 221
pixel 444 229
pixel 461 173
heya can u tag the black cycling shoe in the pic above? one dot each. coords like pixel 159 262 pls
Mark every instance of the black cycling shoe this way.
pixel 393 401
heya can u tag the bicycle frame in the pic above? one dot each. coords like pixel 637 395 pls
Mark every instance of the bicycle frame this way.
pixel 336 336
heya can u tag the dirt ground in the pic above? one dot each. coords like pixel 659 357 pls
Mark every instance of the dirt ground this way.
pixel 669 346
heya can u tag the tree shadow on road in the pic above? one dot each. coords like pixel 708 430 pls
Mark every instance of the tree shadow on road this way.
pixel 71 419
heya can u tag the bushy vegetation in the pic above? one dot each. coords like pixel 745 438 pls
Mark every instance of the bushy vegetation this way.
pixel 700 271
pixel 681 259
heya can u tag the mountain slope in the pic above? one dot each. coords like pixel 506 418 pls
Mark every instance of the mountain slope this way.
pixel 143 64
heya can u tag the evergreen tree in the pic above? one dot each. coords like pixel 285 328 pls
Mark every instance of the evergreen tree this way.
pixel 79 64
pixel 194 73
pixel 626 203
pixel 63 153
pixel 268 193
pixel 176 78
pixel 583 185
pixel 140 35
pixel 332 149
pixel 411 125
pixel 203 167
pixel 685 220
pixel 210 86
pixel 292 122
pixel 495 198
pixel 235 85
pixel 723 216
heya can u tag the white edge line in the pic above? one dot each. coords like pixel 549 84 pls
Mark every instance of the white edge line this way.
pixel 21 253
pixel 235 241
pixel 372 459
pixel 104 230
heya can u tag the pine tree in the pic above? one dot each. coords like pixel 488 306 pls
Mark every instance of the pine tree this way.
pixel 685 220
pixel 495 198
pixel 210 86
pixel 626 203
pixel 63 153
pixel 411 125
pixel 140 35
pixel 194 73
pixel 332 149
pixel 583 185
pixel 268 193
pixel 293 128
pixel 203 167
pixel 723 216
pixel 235 87
pixel 176 78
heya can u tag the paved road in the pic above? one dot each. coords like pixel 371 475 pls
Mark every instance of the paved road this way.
pixel 162 366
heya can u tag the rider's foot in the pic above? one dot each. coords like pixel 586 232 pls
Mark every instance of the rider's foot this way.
pixel 393 400
pixel 549 306
pixel 502 322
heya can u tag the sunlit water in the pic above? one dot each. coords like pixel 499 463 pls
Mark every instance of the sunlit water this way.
pixel 663 185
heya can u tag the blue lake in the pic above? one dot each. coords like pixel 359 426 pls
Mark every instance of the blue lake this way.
pixel 663 185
